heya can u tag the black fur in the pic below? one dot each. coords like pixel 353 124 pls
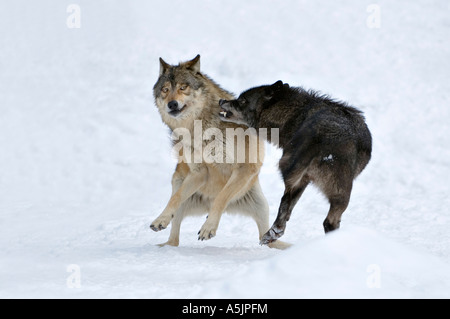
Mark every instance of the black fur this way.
pixel 324 141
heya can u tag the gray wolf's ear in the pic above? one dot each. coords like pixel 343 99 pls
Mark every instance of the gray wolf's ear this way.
pixel 163 66
pixel 194 64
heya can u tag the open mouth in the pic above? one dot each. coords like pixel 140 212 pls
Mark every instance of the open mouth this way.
pixel 175 113
pixel 225 114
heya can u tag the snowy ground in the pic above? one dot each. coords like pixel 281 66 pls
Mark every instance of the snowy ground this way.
pixel 85 162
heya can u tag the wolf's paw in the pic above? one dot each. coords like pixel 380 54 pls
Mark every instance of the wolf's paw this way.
pixel 278 244
pixel 272 235
pixel 169 243
pixel 329 227
pixel 160 223
pixel 208 231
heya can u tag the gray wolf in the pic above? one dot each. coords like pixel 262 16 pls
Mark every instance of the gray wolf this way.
pixel 184 95
pixel 324 141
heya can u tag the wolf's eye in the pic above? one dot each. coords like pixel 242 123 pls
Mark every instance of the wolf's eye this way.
pixel 165 90
pixel 183 87
pixel 242 101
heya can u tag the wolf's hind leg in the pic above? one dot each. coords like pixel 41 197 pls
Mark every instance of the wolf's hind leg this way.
pixel 337 186
pixel 338 204
pixel 255 205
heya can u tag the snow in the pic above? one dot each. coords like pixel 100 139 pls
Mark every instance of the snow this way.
pixel 86 161
pixel 323 268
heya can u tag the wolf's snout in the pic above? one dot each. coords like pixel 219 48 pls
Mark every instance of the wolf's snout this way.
pixel 222 102
pixel 173 105
pixel 225 110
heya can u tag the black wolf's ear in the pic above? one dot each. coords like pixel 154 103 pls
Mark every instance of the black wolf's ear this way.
pixel 194 64
pixel 274 88
pixel 277 86
pixel 163 66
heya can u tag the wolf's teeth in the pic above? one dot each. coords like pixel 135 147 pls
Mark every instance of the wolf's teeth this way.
pixel 223 113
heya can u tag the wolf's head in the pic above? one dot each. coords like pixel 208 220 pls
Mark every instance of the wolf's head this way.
pixel 177 91
pixel 246 109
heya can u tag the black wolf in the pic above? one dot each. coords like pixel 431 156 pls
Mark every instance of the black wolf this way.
pixel 324 141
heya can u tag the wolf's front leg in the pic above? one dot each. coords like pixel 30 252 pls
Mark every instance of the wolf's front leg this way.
pixel 239 182
pixel 192 183
pixel 289 200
